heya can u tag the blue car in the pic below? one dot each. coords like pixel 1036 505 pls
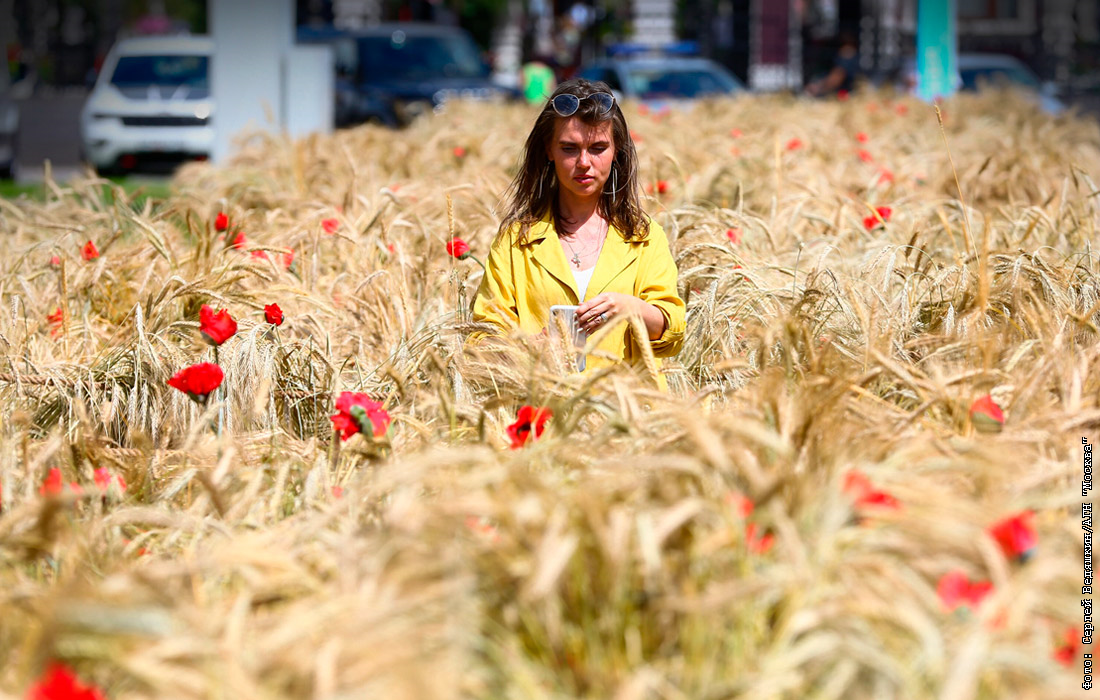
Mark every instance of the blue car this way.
pixel 662 77
pixel 392 73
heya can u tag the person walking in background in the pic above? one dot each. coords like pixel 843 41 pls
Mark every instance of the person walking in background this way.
pixel 844 73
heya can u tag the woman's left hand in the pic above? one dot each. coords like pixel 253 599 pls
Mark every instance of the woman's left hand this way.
pixel 603 307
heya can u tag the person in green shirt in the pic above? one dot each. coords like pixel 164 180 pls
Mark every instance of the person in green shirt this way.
pixel 538 81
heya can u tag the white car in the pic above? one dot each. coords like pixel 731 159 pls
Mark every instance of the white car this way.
pixel 151 104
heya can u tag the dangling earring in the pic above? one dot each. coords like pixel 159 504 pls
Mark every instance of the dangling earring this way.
pixel 614 183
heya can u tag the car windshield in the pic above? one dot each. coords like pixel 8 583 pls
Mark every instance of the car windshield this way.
pixel 403 57
pixel 167 71
pixel 974 78
pixel 671 83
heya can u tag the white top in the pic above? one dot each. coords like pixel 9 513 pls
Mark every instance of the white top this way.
pixel 583 277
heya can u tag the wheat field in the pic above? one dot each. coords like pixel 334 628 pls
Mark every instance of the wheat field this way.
pixel 253 555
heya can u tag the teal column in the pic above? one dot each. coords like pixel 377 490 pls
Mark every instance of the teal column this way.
pixel 937 49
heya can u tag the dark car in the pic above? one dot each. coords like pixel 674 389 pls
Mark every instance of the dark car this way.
pixel 392 73
pixel 664 75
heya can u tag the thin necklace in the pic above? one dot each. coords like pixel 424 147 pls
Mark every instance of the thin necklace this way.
pixel 576 258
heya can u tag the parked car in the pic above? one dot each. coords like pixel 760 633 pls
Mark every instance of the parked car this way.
pixel 9 127
pixel 979 70
pixel 1001 70
pixel 151 104
pixel 665 75
pixel 392 73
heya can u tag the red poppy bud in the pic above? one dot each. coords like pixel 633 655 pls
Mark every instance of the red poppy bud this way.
pixel 662 186
pixel 862 137
pixel 221 221
pixel 459 152
pixel 865 155
pixel 458 248
pixel 197 381
pixel 217 327
pixel 528 420
pixel 986 415
pixel 89 251
pixel 794 144
pixel 55 261
pixel 273 314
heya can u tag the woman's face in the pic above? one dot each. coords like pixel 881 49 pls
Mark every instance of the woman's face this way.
pixel 582 155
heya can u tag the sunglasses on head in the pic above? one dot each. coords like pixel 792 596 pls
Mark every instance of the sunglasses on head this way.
pixel 566 105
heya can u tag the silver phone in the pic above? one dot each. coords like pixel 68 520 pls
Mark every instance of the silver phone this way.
pixel 563 323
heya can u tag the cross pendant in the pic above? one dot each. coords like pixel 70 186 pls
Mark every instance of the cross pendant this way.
pixel 576 260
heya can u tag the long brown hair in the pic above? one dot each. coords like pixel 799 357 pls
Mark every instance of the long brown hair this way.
pixel 535 188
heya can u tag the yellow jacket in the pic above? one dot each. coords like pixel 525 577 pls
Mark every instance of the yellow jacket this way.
pixel 522 282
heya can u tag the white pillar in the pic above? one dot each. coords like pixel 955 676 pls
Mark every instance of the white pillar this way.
pixel 259 79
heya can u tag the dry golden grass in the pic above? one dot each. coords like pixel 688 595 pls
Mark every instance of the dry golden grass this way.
pixel 605 560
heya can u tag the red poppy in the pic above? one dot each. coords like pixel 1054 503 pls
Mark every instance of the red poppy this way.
pixel 58 682
pixel 55 261
pixel 794 144
pixel 736 133
pixel 862 137
pixel 458 248
pixel 1066 652
pixel 197 381
pixel 217 327
pixel 459 152
pixel 330 225
pixel 880 217
pixel 52 485
pixel 390 247
pixel 885 176
pixel 662 186
pixel 1016 535
pixel 337 491
pixel 56 319
pixel 528 420
pixel 260 255
pixel 273 314
pixel 734 235
pixel 356 411
pixel 842 94
pixel 288 260
pixel 955 590
pixel 89 251
pixel 240 242
pixel 221 221
pixel 865 155
pixel 104 478
pixel 864 494
pixel 756 542
pixel 986 415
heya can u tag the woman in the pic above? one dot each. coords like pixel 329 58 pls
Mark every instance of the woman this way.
pixel 574 233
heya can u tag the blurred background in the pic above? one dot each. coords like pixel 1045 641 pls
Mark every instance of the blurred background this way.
pixel 395 59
